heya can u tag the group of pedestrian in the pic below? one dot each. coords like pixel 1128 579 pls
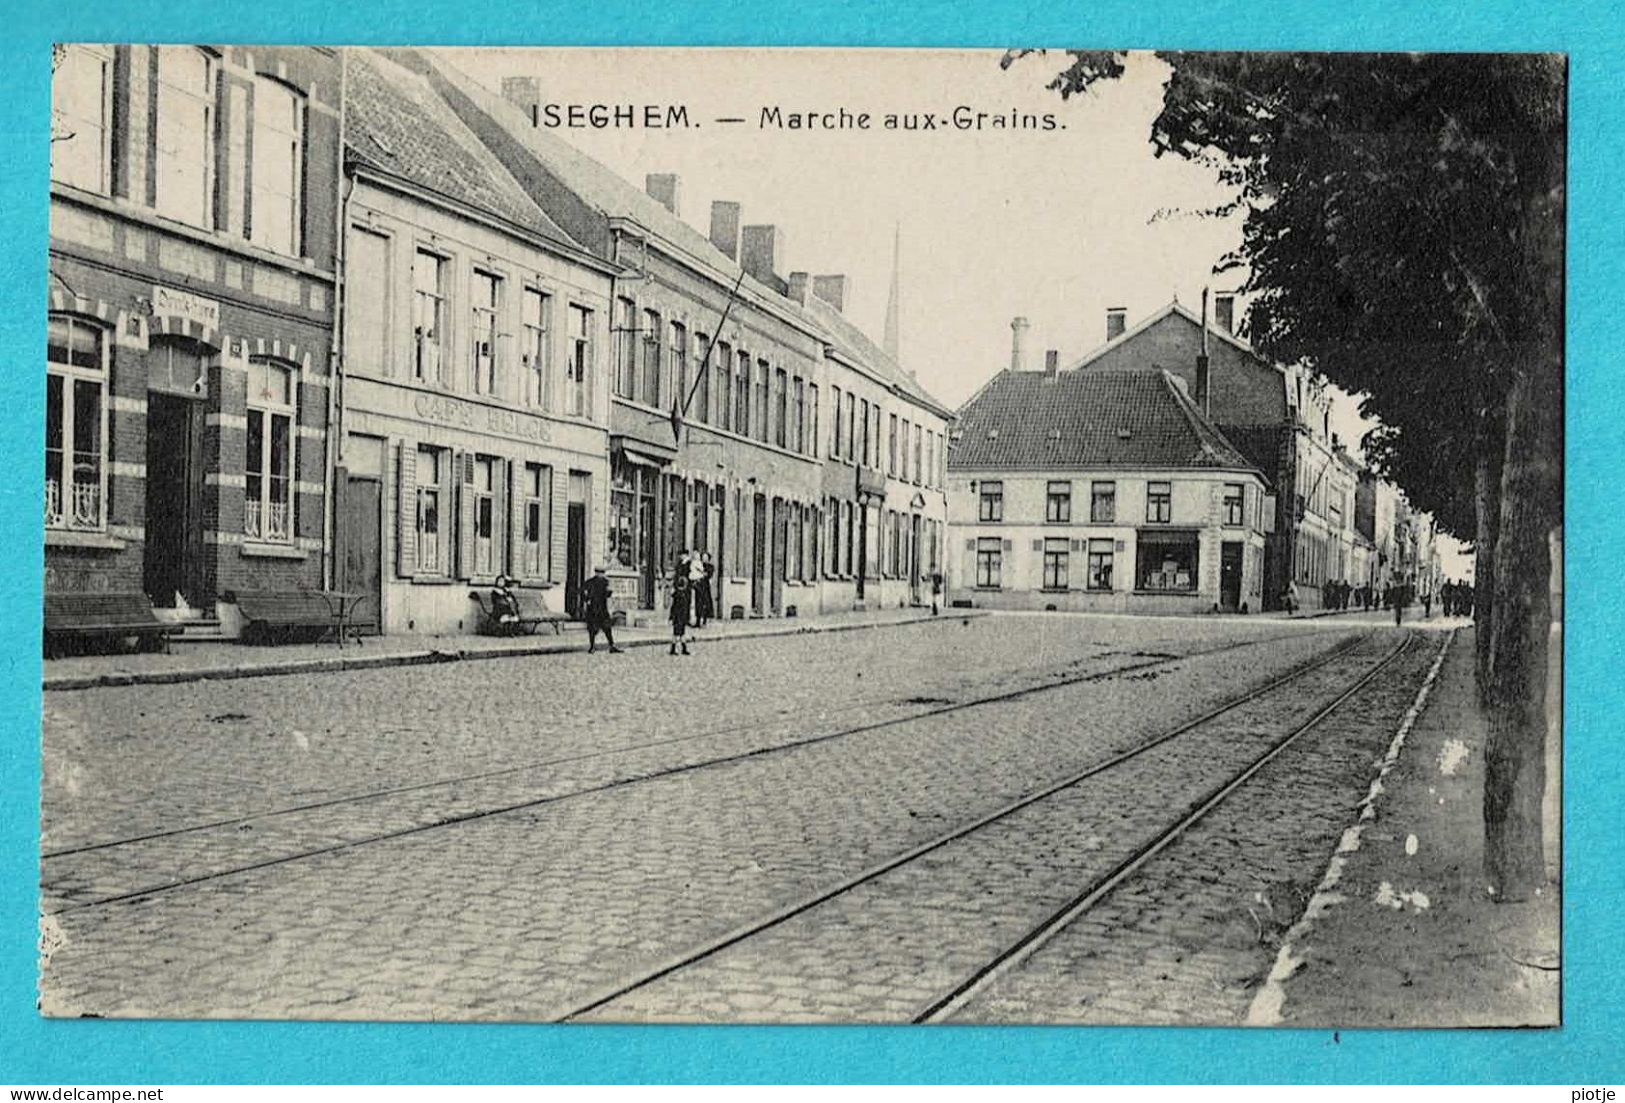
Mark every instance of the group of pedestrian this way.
pixel 693 603
pixel 1340 594
pixel 1456 598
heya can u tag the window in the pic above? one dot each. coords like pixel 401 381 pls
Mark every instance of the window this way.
pixel 1058 502
pixel 781 408
pixel 724 388
pixel 1103 503
pixel 702 380
pixel 650 340
pixel 930 459
pixel 81 110
pixel 75 424
pixel 812 419
pixel 679 365
pixel 536 521
pixel 535 317
pixel 485 301
pixel 1167 561
pixel 862 445
pixel 623 511
pixel 762 408
pixel 989 562
pixel 991 501
pixel 874 433
pixel 267 504
pixel 428 315
pixel 834 542
pixel 849 437
pixel 891 444
pixel 183 142
pixel 915 470
pixel 1100 564
pixel 1158 502
pixel 742 396
pixel 366 301
pixel 578 381
pixel 429 531
pixel 626 348
pixel 1055 557
pixel 798 435
pixel 278 171
pixel 1234 499
pixel 902 459
pixel 485 509
pixel 851 536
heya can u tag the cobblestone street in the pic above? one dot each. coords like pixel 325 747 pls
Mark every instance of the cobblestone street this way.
pixel 551 836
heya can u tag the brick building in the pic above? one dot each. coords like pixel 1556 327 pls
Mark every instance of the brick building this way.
pixel 190 320
pixel 1101 490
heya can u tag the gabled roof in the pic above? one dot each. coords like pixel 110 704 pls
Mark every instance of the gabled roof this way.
pixel 1120 418
pixel 1173 308
pixel 856 345
pixel 397 125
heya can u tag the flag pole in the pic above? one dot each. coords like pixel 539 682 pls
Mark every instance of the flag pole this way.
pixel 678 413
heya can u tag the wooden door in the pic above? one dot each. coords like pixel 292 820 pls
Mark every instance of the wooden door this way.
pixel 361 560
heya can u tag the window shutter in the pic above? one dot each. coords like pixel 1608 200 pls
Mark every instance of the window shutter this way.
pixel 463 477
pixel 501 551
pixel 406 511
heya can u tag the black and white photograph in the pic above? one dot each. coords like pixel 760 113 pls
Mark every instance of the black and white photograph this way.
pixel 765 535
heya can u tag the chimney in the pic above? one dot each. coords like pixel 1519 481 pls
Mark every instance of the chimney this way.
pixel 759 252
pixel 1203 383
pixel 1052 362
pixel 1018 344
pixel 725 227
pixel 798 287
pixel 1224 312
pixel 523 92
pixel 662 188
pixel 1116 322
pixel 832 290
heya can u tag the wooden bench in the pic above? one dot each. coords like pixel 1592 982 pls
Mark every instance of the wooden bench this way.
pixel 284 614
pixel 533 613
pixel 104 616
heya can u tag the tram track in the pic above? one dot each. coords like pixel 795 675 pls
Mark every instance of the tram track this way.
pixel 1049 682
pixel 1034 937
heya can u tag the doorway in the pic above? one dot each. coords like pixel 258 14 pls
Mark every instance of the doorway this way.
pixel 172 560
pixel 575 543
pixel 758 553
pixel 361 561
pixel 1230 576
pixel 914 559
pixel 781 538
pixel 863 547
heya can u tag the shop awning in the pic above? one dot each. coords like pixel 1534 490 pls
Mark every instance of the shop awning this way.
pixel 643 452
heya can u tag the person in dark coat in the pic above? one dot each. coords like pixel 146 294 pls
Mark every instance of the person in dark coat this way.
pixel 705 608
pixel 504 605
pixel 595 595
pixel 681 605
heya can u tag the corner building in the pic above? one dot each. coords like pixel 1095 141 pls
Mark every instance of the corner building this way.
pixel 190 313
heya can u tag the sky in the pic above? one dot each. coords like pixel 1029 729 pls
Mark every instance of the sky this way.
pixel 1054 225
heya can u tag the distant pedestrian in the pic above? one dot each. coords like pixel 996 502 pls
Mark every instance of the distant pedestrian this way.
pixel 699 589
pixel 681 608
pixel 936 590
pixel 595 592
pixel 1427 604
pixel 708 591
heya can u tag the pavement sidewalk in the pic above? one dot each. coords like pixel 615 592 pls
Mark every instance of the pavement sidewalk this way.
pixel 188 662
pixel 1402 931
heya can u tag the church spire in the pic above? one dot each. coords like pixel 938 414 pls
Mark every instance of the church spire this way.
pixel 893 306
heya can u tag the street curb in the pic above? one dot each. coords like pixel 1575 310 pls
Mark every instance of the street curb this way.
pixel 273 667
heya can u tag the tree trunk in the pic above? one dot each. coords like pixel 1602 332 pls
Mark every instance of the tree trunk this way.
pixel 1515 764
pixel 1487 500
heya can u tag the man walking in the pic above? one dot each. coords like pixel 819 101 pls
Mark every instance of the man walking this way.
pixel 595 591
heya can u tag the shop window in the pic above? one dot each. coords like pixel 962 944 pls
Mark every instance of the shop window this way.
pixel 1167 562
pixel 485 303
pixel 623 516
pixel 1056 552
pixel 990 501
pixel 428 315
pixel 535 319
pixel 268 498
pixel 1159 500
pixel 578 372
pixel 536 514
pixel 75 425
pixel 626 348
pixel 649 339
pixel 1234 500
pixel 278 169
pixel 989 562
pixel 183 141
pixel 430 529
pixel 1100 564
pixel 81 117
pixel 1103 503
pixel 1058 502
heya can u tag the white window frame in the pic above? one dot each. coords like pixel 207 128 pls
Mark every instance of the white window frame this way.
pixel 485 326
pixel 431 554
pixel 264 134
pixel 376 360
pixel 536 493
pixel 259 517
pixel 56 516
pixel 537 357
pixel 421 370
pixel 171 98
pixel 578 366
pixel 67 126
pixel 487 543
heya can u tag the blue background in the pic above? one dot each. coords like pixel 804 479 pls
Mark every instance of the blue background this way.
pixel 1586 1049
